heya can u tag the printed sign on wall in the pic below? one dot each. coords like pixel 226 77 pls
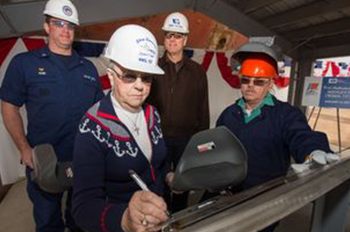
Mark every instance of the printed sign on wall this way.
pixel 330 92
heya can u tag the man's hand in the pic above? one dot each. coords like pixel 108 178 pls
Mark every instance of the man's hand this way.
pixel 27 157
pixel 323 158
pixel 316 157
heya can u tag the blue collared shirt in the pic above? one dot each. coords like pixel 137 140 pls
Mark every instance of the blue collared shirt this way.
pixel 55 96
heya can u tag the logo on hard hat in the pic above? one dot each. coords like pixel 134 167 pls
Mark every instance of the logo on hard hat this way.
pixel 147 51
pixel 176 21
pixel 67 10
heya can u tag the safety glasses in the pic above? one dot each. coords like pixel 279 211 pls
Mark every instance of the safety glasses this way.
pixel 256 81
pixel 130 78
pixel 62 23
pixel 169 35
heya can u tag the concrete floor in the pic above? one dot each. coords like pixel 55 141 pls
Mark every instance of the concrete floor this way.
pixel 16 210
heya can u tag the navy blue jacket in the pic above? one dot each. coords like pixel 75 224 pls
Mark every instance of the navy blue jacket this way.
pixel 56 97
pixel 271 139
pixel 104 153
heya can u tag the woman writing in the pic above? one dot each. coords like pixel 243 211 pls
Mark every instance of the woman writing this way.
pixel 118 134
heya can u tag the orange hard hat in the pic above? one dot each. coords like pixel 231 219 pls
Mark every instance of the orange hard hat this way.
pixel 259 65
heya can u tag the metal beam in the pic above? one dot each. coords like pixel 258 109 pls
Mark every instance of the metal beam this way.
pixel 271 206
pixel 335 40
pixel 304 12
pixel 326 52
pixel 292 82
pixel 320 30
pixel 14 2
pixel 249 6
pixel 7 27
pixel 108 10
pixel 237 20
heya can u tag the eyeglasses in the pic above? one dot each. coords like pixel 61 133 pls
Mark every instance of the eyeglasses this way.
pixel 169 35
pixel 130 78
pixel 62 23
pixel 257 82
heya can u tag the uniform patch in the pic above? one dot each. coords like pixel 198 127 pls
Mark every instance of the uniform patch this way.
pixel 41 71
pixel 90 78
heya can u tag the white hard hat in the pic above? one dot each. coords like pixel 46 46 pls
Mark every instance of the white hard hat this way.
pixel 62 9
pixel 135 48
pixel 176 22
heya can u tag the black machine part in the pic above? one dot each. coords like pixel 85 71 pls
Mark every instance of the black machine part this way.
pixel 213 160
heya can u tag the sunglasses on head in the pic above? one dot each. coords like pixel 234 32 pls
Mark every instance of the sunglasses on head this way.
pixel 62 23
pixel 130 78
pixel 257 82
pixel 169 35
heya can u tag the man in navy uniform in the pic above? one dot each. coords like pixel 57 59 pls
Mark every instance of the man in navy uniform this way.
pixel 56 86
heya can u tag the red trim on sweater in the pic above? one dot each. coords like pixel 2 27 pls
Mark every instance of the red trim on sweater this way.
pixel 151 112
pixel 103 215
pixel 147 110
pixel 153 174
pixel 107 128
pixel 109 116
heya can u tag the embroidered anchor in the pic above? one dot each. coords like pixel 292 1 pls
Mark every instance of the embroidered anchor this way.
pixel 97 134
pixel 159 131
pixel 83 127
pixel 116 149
pixel 157 116
pixel 156 137
pixel 107 140
pixel 132 152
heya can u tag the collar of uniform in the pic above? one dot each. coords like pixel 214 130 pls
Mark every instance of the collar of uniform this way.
pixel 268 101
pixel 45 53
pixel 106 110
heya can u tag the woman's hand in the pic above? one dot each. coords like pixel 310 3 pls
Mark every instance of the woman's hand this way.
pixel 145 213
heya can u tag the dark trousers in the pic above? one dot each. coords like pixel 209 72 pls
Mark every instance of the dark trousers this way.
pixel 176 147
pixel 47 209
